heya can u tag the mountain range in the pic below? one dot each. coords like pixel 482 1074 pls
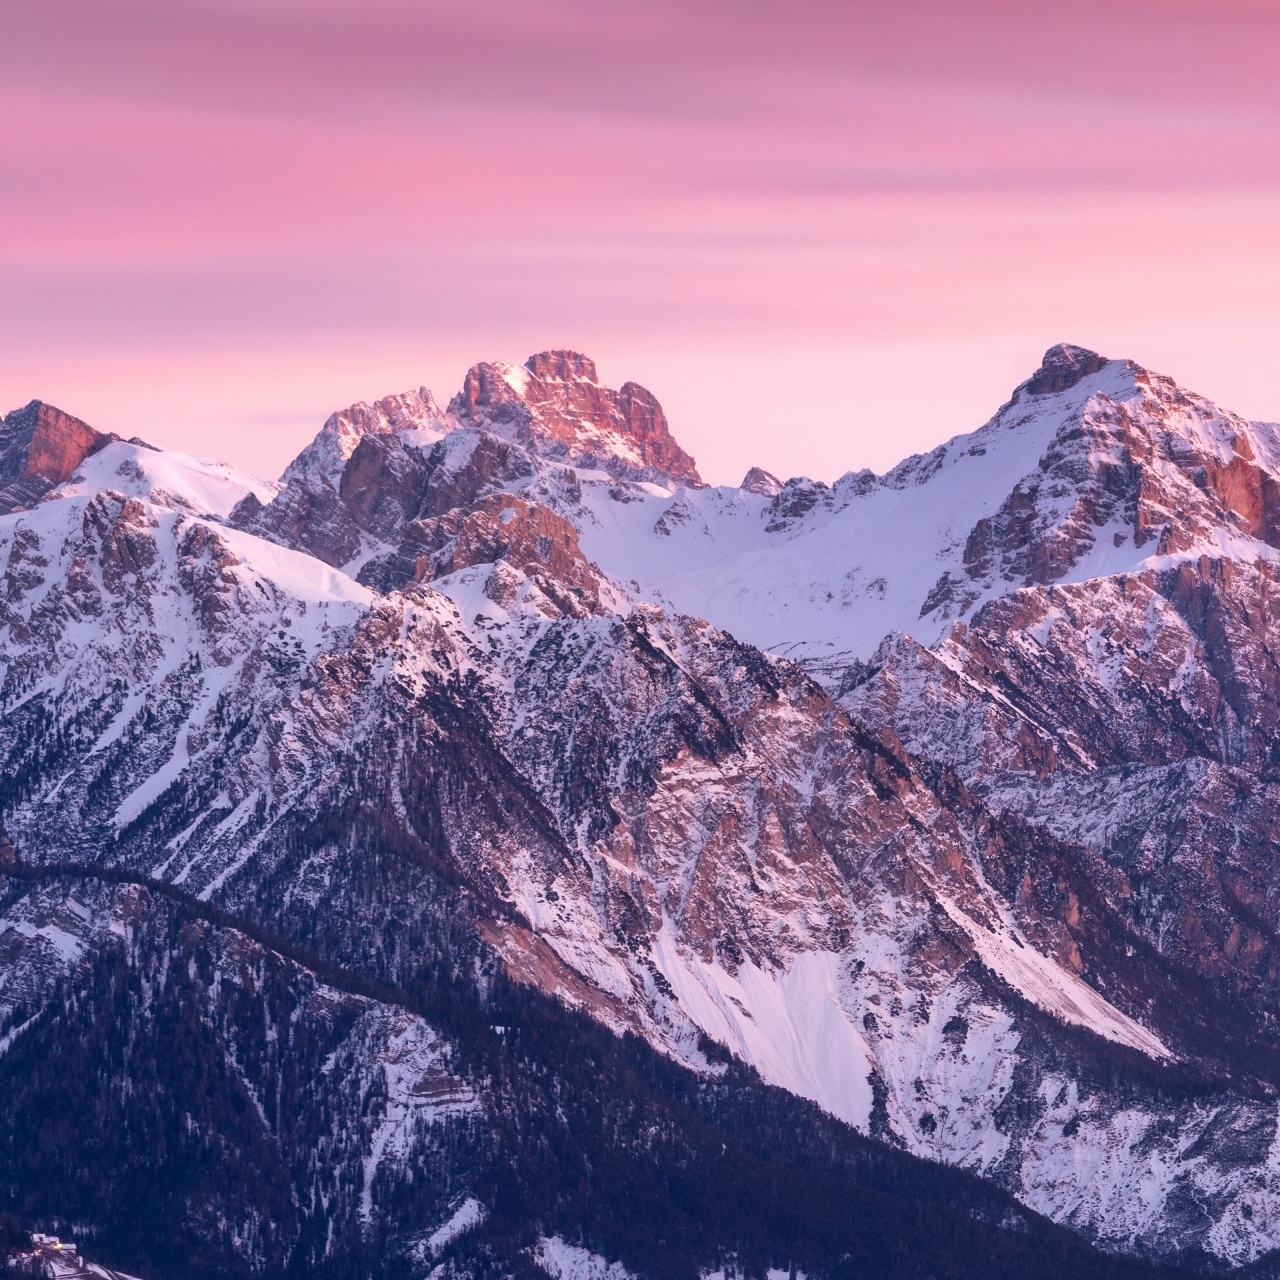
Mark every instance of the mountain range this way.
pixel 490 850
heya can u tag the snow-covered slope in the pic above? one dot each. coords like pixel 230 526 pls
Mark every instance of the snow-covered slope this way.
pixel 166 478
pixel 1065 483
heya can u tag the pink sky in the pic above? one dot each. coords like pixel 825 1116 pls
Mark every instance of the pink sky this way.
pixel 824 234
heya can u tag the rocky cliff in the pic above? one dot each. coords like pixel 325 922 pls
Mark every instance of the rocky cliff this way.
pixel 40 447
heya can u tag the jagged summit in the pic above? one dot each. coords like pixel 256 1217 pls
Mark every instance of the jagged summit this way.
pixel 760 481
pixel 562 366
pixel 1062 367
pixel 40 447
pixel 324 458
pixel 375 470
pixel 554 406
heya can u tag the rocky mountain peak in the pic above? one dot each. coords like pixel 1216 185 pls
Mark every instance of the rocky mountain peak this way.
pixel 326 456
pixel 554 406
pixel 1127 465
pixel 562 366
pixel 763 482
pixel 40 447
pixel 1062 367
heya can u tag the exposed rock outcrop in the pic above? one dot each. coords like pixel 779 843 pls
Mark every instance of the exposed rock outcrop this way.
pixel 40 447
pixel 760 481
pixel 326 456
pixel 500 528
pixel 1062 367
pixel 555 405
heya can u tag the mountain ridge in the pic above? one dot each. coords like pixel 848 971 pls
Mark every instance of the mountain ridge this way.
pixel 927 883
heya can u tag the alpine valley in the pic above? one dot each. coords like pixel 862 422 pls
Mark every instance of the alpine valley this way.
pixel 490 851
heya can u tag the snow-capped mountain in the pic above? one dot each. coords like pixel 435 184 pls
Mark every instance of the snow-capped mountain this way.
pixel 1092 468
pixel 942 799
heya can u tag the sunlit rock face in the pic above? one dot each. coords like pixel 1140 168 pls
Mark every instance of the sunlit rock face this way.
pixel 555 405
pixel 40 447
